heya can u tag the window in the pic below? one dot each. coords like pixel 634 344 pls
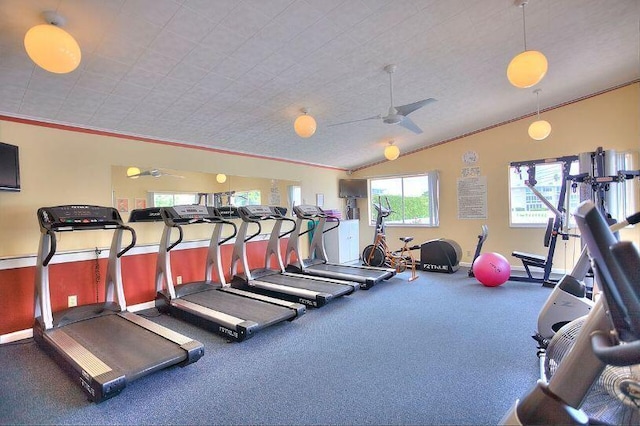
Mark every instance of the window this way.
pixel 413 199
pixel 246 198
pixel 170 199
pixel 529 210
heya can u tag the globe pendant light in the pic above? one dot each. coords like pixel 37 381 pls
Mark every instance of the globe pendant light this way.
pixel 391 152
pixel 539 129
pixel 529 67
pixel 133 172
pixel 221 178
pixel 305 125
pixel 52 48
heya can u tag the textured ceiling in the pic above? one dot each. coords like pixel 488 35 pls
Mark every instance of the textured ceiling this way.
pixel 233 75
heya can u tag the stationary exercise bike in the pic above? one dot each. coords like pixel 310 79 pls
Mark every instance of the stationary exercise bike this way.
pixel 378 254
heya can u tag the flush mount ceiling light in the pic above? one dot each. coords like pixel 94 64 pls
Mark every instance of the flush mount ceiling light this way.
pixel 539 129
pixel 305 125
pixel 52 48
pixel 221 178
pixel 529 67
pixel 391 152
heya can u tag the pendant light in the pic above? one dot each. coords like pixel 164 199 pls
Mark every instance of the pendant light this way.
pixel 529 67
pixel 391 151
pixel 133 172
pixel 305 125
pixel 221 178
pixel 52 48
pixel 539 129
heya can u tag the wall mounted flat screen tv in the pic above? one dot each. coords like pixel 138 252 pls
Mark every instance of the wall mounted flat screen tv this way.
pixel 9 168
pixel 352 188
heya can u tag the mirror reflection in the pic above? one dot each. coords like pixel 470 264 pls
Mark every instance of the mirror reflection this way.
pixel 140 187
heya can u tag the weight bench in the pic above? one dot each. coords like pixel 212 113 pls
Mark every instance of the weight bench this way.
pixel 530 260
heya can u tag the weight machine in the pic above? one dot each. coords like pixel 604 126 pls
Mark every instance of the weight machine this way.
pixel 597 173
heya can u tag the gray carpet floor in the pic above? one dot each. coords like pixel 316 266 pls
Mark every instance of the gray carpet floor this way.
pixel 439 350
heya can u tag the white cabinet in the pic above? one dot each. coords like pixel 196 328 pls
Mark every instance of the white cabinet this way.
pixel 342 244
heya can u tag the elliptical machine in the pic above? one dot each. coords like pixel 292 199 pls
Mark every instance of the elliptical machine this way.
pixel 610 334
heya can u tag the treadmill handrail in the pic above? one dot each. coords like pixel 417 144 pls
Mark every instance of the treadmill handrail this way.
pixel 133 241
pixel 255 234
pixel 230 237
pixel 52 249
pixel 337 221
pixel 285 233
pixel 179 240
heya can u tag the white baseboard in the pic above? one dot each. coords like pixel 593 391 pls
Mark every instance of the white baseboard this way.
pixel 16 335
pixel 28 333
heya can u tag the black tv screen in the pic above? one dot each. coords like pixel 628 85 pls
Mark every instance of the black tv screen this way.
pixel 9 168
pixel 352 188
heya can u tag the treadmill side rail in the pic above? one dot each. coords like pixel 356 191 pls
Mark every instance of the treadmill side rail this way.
pixel 194 349
pixel 97 379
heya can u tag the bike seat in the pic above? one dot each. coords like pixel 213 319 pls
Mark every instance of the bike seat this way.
pixel 406 239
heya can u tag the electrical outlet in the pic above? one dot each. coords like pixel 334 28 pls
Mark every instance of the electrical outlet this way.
pixel 179 279
pixel 72 301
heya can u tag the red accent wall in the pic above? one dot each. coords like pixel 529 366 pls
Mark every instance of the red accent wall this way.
pixel 79 278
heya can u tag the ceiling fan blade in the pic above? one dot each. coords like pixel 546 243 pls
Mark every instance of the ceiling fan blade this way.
pixel 355 121
pixel 409 108
pixel 408 124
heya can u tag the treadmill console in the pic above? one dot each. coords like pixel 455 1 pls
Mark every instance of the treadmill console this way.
pixel 257 212
pixel 190 214
pixel 78 217
pixel 150 214
pixel 306 211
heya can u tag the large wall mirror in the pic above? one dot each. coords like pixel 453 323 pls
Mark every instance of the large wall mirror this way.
pixel 151 187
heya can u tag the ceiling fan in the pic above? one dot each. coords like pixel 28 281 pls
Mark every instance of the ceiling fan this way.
pixel 134 172
pixel 396 114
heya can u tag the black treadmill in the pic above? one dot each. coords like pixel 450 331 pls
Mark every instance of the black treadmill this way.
pixel 101 345
pixel 212 304
pixel 316 264
pixel 272 279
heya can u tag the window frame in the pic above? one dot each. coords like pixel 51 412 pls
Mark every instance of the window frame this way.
pixel 433 185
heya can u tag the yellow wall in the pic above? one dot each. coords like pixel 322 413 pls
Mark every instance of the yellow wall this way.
pixel 66 167
pixel 60 167
pixel 610 120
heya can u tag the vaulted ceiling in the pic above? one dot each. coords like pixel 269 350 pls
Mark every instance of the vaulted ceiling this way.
pixel 234 74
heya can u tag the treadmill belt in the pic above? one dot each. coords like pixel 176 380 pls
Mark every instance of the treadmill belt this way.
pixel 125 346
pixel 319 286
pixel 263 313
pixel 350 270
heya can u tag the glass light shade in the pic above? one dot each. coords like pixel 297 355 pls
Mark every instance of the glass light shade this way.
pixel 539 130
pixel 305 126
pixel 132 172
pixel 221 178
pixel 527 69
pixel 52 48
pixel 391 152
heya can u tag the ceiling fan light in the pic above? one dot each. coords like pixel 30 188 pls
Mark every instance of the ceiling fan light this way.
pixel 539 130
pixel 133 172
pixel 391 152
pixel 305 126
pixel 221 178
pixel 52 48
pixel 527 69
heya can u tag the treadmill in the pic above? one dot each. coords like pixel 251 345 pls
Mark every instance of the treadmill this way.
pixel 101 345
pixel 211 304
pixel 316 264
pixel 272 279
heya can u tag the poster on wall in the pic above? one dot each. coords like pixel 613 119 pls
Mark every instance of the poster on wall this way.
pixel 274 194
pixel 472 197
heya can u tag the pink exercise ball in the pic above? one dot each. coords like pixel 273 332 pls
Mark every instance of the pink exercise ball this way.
pixel 491 269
